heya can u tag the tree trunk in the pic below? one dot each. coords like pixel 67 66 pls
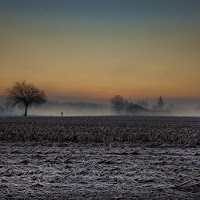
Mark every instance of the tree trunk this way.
pixel 26 107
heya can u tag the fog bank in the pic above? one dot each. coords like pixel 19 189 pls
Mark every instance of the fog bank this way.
pixel 91 107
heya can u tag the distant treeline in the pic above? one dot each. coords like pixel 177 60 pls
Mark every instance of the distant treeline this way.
pixel 123 106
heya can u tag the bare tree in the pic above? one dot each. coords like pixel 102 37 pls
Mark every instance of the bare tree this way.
pixel 25 94
pixel 119 103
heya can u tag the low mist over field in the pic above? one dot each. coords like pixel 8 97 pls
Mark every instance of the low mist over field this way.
pixel 91 107
pixel 180 107
pixel 99 107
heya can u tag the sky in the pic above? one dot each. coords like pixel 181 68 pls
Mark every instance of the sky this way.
pixel 95 49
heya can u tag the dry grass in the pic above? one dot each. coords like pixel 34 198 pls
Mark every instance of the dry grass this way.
pixel 183 131
pixel 29 170
pixel 99 158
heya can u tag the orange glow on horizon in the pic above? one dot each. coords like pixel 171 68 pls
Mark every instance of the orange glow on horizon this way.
pixel 148 62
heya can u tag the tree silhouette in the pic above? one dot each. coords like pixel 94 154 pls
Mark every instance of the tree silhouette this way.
pixel 25 94
pixel 119 103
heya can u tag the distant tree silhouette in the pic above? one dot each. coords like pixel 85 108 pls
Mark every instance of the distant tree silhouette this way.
pixel 119 103
pixel 160 104
pixel 25 94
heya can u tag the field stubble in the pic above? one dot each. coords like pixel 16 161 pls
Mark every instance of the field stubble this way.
pixel 121 158
pixel 183 131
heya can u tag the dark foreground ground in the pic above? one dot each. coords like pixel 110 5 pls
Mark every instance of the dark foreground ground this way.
pixel 98 171
pixel 101 170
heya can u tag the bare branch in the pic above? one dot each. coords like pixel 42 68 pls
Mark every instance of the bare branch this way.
pixel 23 93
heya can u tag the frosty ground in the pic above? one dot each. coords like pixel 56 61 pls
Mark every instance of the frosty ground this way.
pixel 110 169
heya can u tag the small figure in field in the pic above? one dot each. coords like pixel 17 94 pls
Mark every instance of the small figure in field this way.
pixel 61 114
